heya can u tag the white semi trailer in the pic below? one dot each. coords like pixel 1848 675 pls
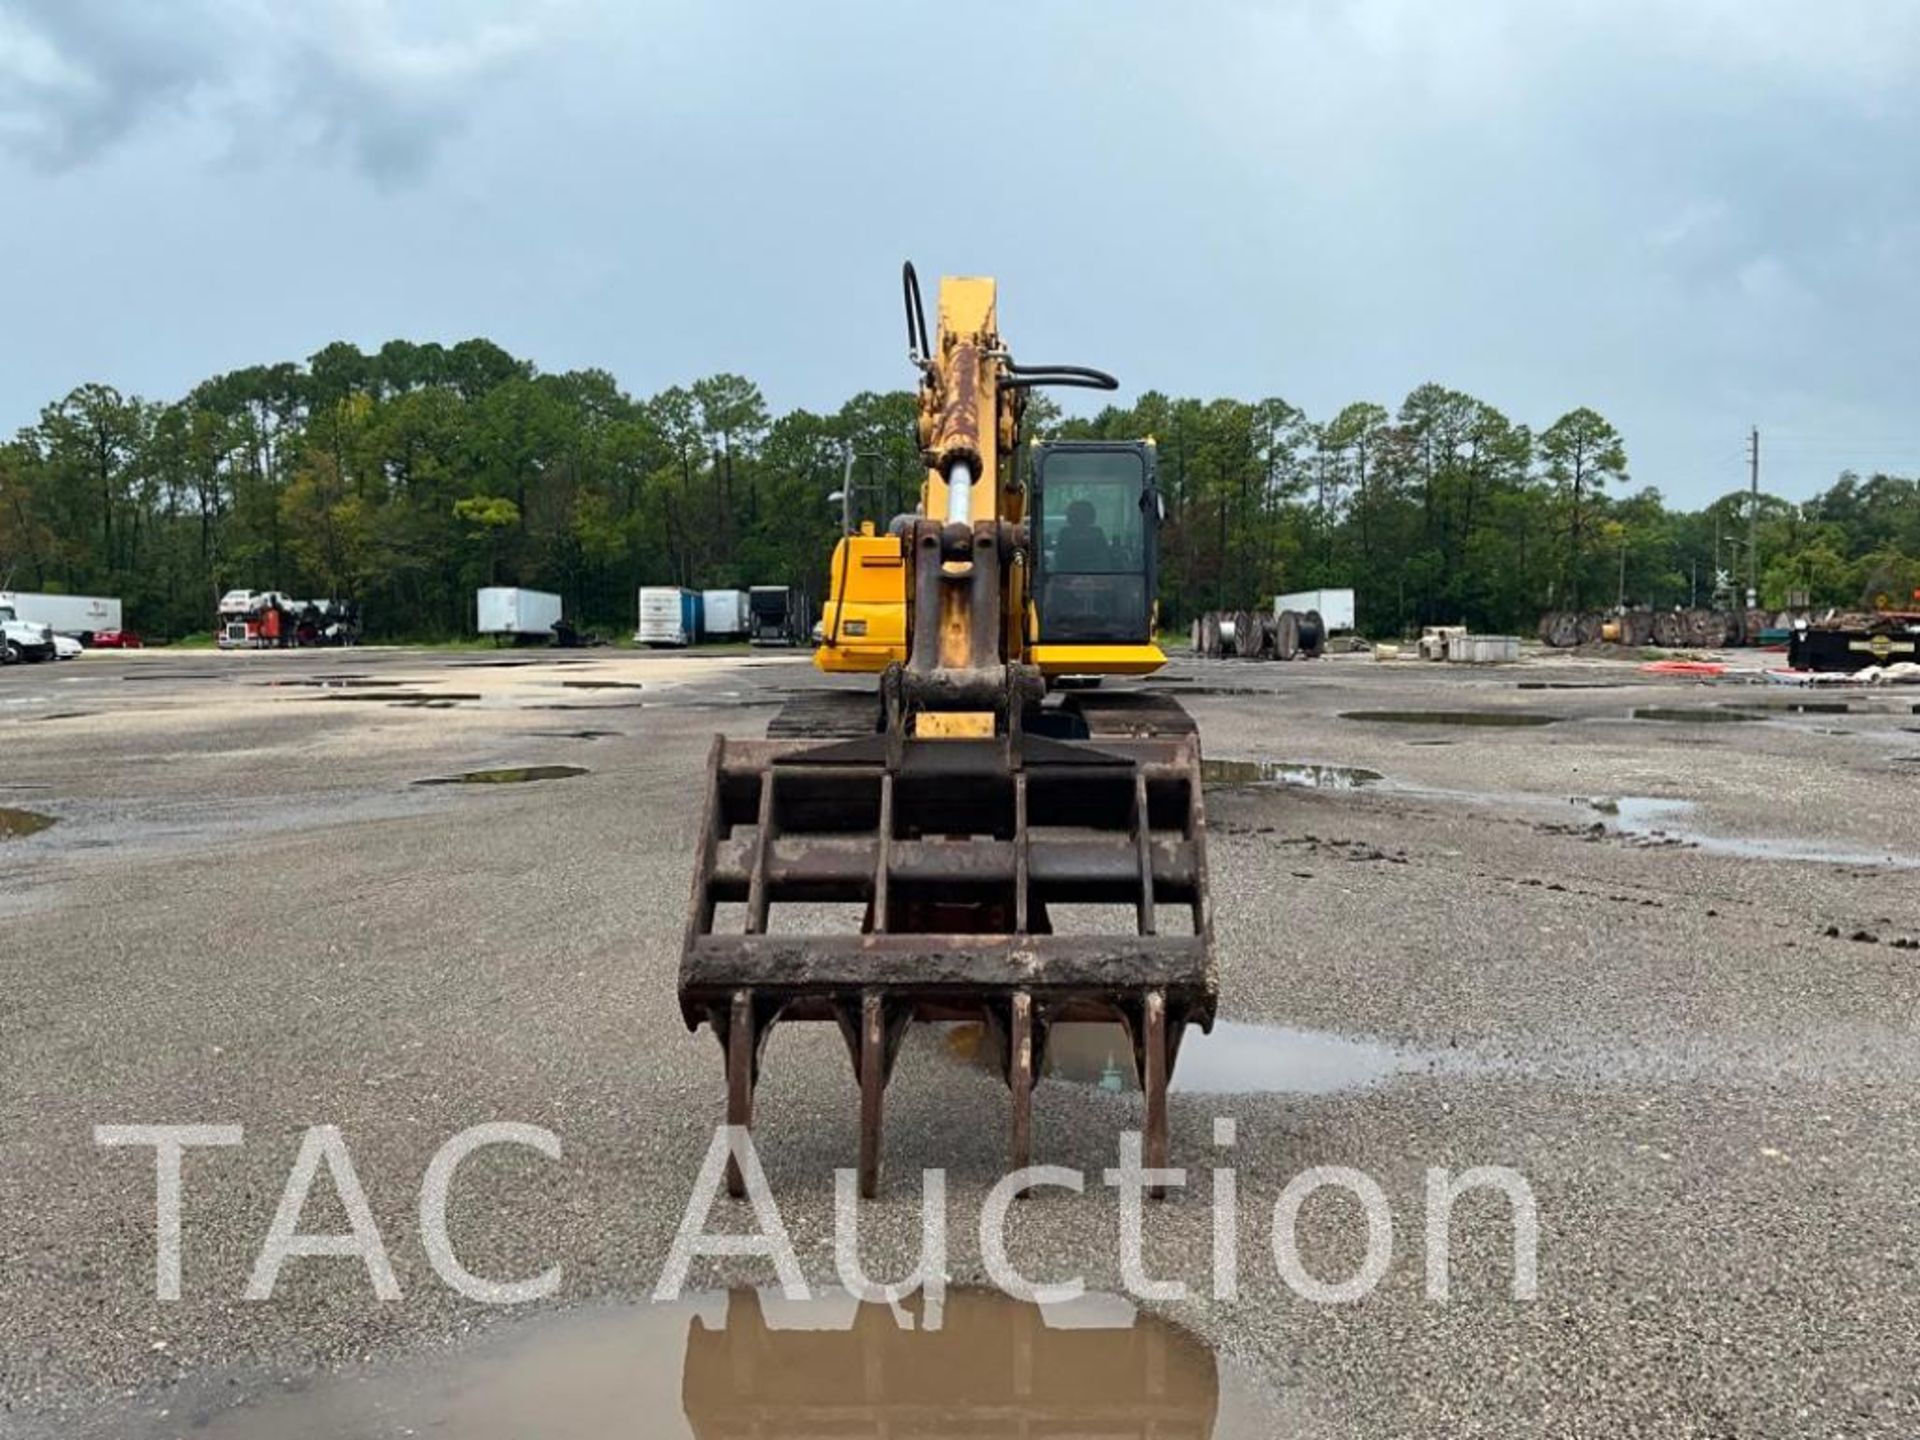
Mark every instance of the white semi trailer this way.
pixel 723 614
pixel 507 612
pixel 1335 607
pixel 81 616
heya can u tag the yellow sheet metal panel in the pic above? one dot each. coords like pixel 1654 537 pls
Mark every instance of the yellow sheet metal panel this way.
pixel 1097 659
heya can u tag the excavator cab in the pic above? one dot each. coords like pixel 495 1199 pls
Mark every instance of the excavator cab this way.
pixel 1094 514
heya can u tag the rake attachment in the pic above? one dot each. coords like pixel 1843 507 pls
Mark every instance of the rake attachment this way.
pixel 1018 881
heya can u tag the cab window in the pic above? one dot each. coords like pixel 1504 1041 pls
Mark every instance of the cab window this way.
pixel 1092 522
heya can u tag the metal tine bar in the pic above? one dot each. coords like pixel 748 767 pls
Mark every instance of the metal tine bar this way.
pixel 1144 843
pixel 700 912
pixel 883 863
pixel 762 842
pixel 1197 838
pixel 1020 843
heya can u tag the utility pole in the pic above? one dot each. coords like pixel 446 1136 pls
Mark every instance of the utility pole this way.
pixel 1753 520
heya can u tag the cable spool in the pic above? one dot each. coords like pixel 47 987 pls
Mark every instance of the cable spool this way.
pixel 1250 636
pixel 1313 635
pixel 1286 635
pixel 1227 628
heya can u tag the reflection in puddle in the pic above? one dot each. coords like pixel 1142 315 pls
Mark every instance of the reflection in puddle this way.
pixel 749 1363
pixel 1228 773
pixel 1235 1059
pixel 18 824
pixel 1675 715
pixel 510 775
pixel 1648 819
pixel 1496 718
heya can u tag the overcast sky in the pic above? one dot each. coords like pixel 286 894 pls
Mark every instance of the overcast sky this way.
pixel 1693 215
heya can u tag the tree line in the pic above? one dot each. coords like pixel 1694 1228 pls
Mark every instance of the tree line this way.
pixel 405 478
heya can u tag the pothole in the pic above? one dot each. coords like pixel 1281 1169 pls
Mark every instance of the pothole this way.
pixel 1234 1059
pixel 748 1362
pixel 601 685
pixel 1793 707
pixel 331 682
pixel 1497 719
pixel 404 697
pixel 508 775
pixel 18 824
pixel 1677 715
pixel 1228 774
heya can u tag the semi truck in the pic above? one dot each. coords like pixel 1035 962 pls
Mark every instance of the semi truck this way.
pixel 22 640
pixel 509 613
pixel 80 616
pixel 777 615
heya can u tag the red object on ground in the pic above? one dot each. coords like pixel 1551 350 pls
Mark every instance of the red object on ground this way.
pixel 1683 667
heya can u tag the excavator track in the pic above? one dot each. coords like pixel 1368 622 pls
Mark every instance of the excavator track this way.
pixel 826 715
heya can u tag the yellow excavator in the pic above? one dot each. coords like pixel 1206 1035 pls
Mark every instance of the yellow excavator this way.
pixel 974 839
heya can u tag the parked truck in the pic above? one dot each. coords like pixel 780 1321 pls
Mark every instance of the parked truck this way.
pixel 669 615
pixel 22 640
pixel 510 614
pixel 723 614
pixel 79 616
pixel 777 615
pixel 270 620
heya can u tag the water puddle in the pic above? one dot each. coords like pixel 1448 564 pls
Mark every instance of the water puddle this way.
pixel 1227 774
pixel 1235 1059
pixel 1665 822
pixel 510 775
pixel 331 682
pixel 750 1363
pixel 18 824
pixel 406 697
pixel 1676 715
pixel 577 734
pixel 1793 707
pixel 1496 718
pixel 601 685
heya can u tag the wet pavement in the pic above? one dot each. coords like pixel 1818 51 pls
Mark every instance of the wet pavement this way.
pixel 1692 1031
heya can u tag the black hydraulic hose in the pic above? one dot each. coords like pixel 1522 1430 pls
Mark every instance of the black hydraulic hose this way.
pixel 916 313
pixel 1082 377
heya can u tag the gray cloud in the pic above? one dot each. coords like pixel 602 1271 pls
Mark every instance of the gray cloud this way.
pixel 381 84
pixel 1691 214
